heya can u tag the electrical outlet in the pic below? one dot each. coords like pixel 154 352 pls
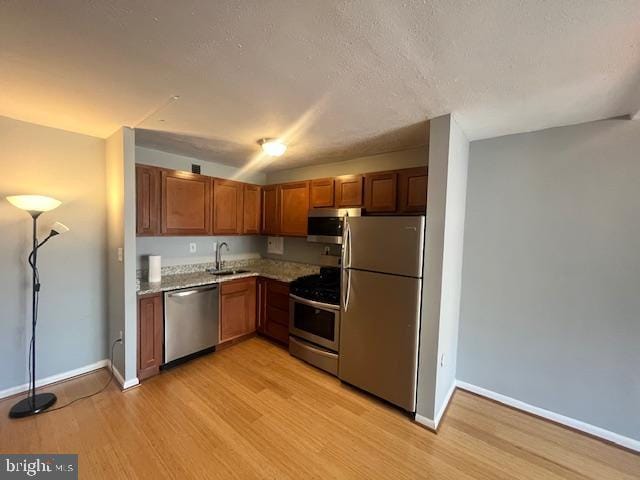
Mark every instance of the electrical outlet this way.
pixel 120 254
pixel 120 337
pixel 193 248
pixel 442 360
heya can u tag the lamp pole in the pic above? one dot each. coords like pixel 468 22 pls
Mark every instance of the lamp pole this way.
pixel 35 288
pixel 35 204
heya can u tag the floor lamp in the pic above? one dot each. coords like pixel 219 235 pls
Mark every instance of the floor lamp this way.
pixel 35 205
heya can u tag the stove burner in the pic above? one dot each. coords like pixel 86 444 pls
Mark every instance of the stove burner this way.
pixel 322 287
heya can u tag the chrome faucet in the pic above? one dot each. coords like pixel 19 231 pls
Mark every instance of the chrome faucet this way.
pixel 219 262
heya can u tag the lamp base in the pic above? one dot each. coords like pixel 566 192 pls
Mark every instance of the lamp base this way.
pixel 31 406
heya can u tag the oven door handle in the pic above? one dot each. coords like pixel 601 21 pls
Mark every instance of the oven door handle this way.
pixel 312 303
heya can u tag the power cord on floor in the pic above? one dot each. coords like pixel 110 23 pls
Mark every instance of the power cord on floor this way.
pixel 92 394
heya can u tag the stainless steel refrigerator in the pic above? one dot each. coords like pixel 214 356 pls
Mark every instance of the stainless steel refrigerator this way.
pixel 381 297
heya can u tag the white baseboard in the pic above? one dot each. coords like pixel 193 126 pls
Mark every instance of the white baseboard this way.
pixel 427 422
pixel 616 438
pixel 433 424
pixel 55 378
pixel 445 404
pixel 124 384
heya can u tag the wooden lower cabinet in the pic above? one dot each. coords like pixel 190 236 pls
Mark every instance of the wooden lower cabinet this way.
pixel 237 308
pixel 273 309
pixel 150 335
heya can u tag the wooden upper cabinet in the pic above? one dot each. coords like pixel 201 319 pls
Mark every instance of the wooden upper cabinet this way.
pixel 380 192
pixel 150 335
pixel 348 191
pixel 228 211
pixel 237 308
pixel 412 190
pixel 271 209
pixel 322 193
pixel 147 200
pixel 186 203
pixel 294 208
pixel 251 213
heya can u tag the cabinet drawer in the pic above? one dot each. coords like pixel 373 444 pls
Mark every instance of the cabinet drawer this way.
pixel 278 332
pixel 233 286
pixel 276 315
pixel 278 294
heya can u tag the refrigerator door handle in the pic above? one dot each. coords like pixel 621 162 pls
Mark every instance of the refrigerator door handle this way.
pixel 347 290
pixel 346 247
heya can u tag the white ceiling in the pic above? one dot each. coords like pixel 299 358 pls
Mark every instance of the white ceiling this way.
pixel 335 78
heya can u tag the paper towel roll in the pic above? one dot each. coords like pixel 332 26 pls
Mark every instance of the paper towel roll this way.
pixel 154 269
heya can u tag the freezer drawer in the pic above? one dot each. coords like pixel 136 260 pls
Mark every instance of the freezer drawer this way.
pixel 379 335
pixel 385 244
pixel 190 321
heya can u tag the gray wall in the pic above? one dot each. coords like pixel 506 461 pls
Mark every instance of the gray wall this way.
pixel 297 249
pixel 415 157
pixel 442 272
pixel 551 279
pixel 72 322
pixel 121 285
pixel 148 156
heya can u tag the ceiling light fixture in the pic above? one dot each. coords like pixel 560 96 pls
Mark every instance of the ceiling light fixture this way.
pixel 272 146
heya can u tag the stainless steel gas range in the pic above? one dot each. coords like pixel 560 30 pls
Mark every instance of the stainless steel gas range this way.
pixel 314 319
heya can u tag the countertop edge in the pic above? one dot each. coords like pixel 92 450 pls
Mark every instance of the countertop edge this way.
pixel 214 280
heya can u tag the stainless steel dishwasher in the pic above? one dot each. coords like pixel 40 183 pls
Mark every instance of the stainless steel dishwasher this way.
pixel 190 321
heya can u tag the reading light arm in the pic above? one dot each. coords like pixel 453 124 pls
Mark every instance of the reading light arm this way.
pixel 56 229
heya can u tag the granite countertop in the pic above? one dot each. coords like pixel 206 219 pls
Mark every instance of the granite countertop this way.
pixel 188 276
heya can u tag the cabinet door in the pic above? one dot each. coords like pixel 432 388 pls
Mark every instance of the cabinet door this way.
pixel 294 208
pixel 322 193
pixel 150 335
pixel 251 221
pixel 412 190
pixel 147 200
pixel 227 207
pixel 271 209
pixel 186 203
pixel 237 308
pixel 348 190
pixel 380 192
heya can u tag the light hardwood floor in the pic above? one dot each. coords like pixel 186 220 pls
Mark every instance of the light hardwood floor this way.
pixel 252 411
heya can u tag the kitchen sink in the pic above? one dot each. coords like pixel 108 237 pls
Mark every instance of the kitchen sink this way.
pixel 222 273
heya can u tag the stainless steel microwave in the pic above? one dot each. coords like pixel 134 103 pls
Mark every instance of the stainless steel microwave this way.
pixel 325 225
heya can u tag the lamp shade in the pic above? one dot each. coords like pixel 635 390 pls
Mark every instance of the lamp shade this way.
pixel 34 203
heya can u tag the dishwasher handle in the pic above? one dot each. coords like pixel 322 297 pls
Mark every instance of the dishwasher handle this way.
pixel 186 293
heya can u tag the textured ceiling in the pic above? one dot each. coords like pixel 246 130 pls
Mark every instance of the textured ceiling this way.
pixel 334 78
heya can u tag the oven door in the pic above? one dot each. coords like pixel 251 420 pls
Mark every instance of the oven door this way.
pixel 316 322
